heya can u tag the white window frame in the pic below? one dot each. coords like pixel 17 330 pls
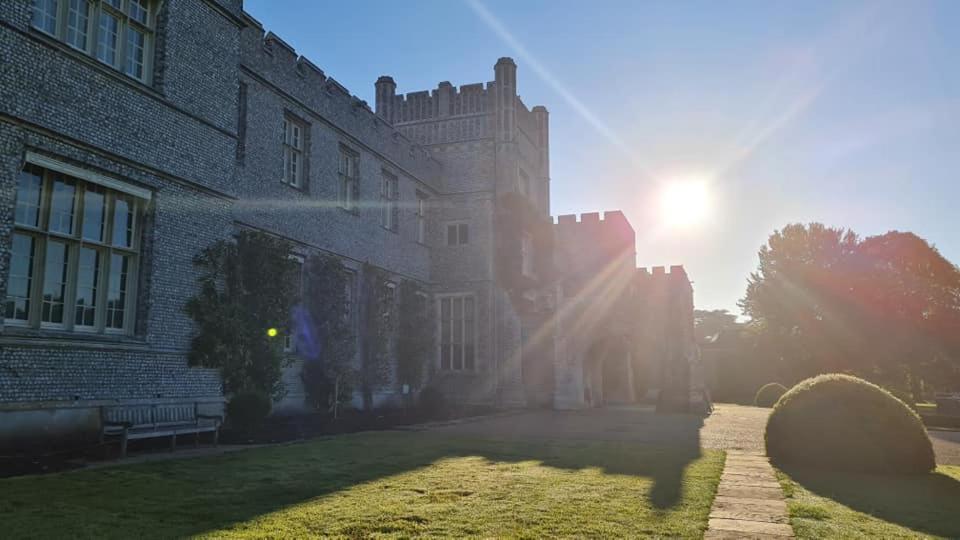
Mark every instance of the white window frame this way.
pixel 348 170
pixel 474 326
pixel 462 233
pixel 121 11
pixel 42 234
pixel 422 217
pixel 293 139
pixel 389 200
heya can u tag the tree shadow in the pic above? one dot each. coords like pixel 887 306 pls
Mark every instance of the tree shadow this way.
pixel 925 503
pixel 196 496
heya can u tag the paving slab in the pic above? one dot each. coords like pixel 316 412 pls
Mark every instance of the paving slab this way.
pixel 779 530
pixel 749 501
pixel 779 504
pixel 750 492
pixel 717 534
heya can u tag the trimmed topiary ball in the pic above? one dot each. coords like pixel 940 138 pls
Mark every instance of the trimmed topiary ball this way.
pixel 844 423
pixel 768 394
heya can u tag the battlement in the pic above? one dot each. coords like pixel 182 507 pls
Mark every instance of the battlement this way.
pixel 273 61
pixel 657 275
pixel 611 219
pixel 451 114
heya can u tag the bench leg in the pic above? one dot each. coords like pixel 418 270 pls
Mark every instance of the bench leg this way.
pixel 173 442
pixel 216 437
pixel 123 445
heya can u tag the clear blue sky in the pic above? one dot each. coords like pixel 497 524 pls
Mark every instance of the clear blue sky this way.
pixel 842 112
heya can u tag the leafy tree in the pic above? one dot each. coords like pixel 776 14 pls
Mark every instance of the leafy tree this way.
pixel 247 287
pixel 415 336
pixel 707 323
pixel 885 307
pixel 324 337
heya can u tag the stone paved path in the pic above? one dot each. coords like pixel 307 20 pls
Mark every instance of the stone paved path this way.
pixel 749 502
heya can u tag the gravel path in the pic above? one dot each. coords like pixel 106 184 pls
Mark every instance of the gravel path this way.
pixel 946 444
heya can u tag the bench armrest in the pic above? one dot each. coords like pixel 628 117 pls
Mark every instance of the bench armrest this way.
pixel 217 417
pixel 121 424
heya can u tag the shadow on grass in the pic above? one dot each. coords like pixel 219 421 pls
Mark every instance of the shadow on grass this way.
pixel 187 497
pixel 925 503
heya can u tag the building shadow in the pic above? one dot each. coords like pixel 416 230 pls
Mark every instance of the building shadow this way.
pixel 196 496
pixel 925 503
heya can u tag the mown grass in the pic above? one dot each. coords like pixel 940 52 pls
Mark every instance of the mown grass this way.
pixel 392 484
pixel 826 504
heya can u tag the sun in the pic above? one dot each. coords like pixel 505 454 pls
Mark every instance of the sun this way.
pixel 684 202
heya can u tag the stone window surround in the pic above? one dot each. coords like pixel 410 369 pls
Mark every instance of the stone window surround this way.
pixel 34 328
pixel 421 214
pixel 474 326
pixel 121 11
pixel 348 175
pixel 290 336
pixel 389 201
pixel 462 233
pixel 295 144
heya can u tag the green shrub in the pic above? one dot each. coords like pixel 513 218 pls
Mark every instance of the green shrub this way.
pixel 845 423
pixel 768 394
pixel 432 403
pixel 248 409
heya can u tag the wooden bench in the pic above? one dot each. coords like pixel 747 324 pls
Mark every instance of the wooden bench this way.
pixel 131 422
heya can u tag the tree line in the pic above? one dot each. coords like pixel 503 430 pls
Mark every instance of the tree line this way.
pixel 826 300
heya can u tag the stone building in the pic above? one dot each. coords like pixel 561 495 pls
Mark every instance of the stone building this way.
pixel 135 133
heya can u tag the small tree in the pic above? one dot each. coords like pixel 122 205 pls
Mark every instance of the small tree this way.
pixel 324 335
pixel 380 325
pixel 415 335
pixel 247 288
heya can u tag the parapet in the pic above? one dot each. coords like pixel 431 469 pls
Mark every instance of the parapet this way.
pixel 612 233
pixel 658 274
pixel 448 114
pixel 277 64
pixel 611 218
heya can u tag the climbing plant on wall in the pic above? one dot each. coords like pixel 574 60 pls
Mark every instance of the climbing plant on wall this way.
pixel 415 345
pixel 247 286
pixel 517 217
pixel 324 333
pixel 379 330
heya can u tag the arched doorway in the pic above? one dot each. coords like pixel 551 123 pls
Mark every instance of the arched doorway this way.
pixel 607 373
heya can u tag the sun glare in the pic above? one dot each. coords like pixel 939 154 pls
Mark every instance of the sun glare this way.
pixel 684 203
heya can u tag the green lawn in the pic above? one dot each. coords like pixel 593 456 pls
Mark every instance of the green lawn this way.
pixel 394 484
pixel 831 505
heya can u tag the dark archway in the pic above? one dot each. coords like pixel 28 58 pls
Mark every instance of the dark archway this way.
pixel 607 373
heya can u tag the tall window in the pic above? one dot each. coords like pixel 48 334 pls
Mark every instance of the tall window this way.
pixel 74 255
pixel 294 133
pixel 349 292
pixel 389 195
pixel 526 254
pixel 290 337
pixel 119 33
pixel 458 234
pixel 421 218
pixel 349 172
pixel 457 332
